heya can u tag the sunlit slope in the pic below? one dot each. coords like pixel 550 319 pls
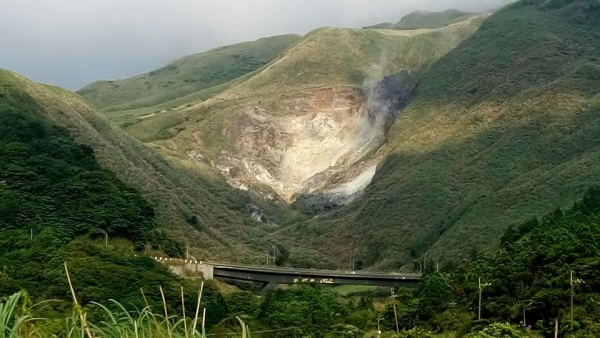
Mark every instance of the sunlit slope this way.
pixel 301 122
pixel 504 127
pixel 325 58
pixel 187 75
pixel 193 204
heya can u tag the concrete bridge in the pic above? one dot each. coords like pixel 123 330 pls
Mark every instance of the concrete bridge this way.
pixel 270 277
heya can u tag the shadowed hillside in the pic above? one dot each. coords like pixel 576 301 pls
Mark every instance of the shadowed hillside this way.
pixel 194 204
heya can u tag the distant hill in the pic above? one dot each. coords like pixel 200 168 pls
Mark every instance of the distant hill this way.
pixel 501 129
pixel 425 19
pixel 187 75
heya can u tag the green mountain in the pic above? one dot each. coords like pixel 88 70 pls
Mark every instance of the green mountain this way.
pixel 502 128
pixel 425 19
pixel 187 75
pixel 307 123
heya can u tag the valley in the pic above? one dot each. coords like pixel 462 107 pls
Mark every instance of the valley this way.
pixel 452 157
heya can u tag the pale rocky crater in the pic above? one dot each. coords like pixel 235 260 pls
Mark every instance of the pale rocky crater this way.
pixel 313 144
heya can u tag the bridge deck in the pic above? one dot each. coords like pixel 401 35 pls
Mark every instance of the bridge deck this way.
pixel 319 273
pixel 270 277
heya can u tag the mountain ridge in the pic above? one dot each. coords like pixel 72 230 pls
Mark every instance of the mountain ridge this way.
pixel 425 19
pixel 186 75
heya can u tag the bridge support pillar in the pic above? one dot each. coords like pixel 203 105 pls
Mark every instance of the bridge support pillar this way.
pixel 267 286
pixel 207 271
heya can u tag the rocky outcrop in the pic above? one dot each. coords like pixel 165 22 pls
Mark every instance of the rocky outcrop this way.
pixel 314 145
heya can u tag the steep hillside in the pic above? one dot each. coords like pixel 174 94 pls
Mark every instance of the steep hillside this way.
pixel 184 76
pixel 308 124
pixel 193 204
pixel 504 127
pixel 425 19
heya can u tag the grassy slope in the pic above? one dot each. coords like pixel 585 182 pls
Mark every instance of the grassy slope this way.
pixel 325 58
pixel 335 56
pixel 503 128
pixel 176 192
pixel 424 19
pixel 187 75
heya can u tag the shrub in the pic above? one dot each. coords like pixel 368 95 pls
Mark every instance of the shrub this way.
pixel 498 330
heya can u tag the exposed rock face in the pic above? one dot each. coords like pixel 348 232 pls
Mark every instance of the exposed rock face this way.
pixel 313 145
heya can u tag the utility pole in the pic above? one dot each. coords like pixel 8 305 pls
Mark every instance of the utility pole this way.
pixel 187 252
pixel 378 327
pixel 524 306
pixel 420 266
pixel 393 297
pixel 267 257
pixel 572 282
pixel 481 286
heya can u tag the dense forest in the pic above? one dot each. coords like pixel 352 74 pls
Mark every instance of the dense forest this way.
pixel 526 288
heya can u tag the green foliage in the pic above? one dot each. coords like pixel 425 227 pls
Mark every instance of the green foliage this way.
pixel 453 320
pixel 244 303
pixel 415 333
pixel 498 330
pixel 434 294
pixel 344 331
pixel 159 240
pixel 303 311
pixel 51 182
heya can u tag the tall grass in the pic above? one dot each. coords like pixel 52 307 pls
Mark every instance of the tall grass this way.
pixel 11 322
pixel 16 321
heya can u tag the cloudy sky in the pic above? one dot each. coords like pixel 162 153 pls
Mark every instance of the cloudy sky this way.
pixel 71 43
